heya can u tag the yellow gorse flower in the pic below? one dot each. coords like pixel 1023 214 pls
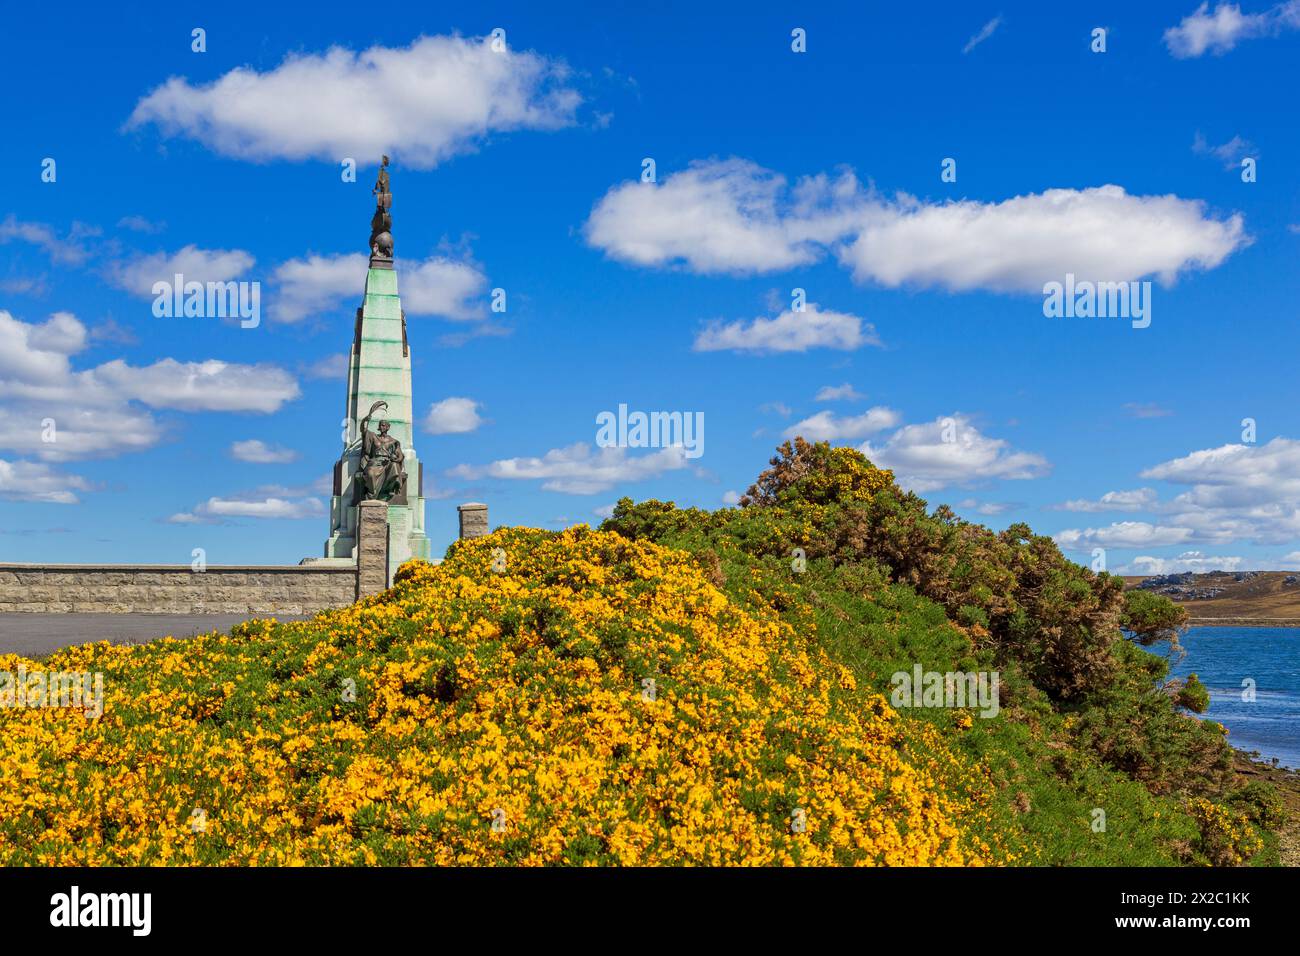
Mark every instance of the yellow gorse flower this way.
pixel 599 701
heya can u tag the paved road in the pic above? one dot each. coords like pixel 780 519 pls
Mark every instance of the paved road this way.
pixel 35 634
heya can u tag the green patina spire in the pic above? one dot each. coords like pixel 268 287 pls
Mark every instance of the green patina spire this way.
pixel 379 373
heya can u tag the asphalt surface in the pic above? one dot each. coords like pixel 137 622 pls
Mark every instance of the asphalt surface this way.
pixel 32 635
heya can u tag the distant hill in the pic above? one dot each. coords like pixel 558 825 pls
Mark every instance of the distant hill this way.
pixel 1241 598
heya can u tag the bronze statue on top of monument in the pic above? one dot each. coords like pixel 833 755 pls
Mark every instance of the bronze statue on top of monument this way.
pixel 380 472
pixel 381 224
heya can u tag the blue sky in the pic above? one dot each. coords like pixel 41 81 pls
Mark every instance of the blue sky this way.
pixel 774 170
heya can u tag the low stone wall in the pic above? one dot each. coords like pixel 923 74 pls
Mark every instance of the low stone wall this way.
pixel 175 589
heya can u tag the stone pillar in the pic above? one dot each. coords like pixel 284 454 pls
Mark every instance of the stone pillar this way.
pixel 372 548
pixel 473 520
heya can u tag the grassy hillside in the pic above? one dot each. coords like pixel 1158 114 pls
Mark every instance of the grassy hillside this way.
pixel 595 701
pixel 1089 721
pixel 680 687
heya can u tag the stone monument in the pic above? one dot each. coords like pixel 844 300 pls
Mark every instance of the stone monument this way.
pixel 381 465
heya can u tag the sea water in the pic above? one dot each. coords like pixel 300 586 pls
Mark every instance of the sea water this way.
pixel 1224 658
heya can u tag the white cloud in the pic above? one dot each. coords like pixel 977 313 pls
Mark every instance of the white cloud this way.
pixel 1195 561
pixel 1234 493
pixel 314 284
pixel 1237 491
pixel 729 216
pixel 1139 499
pixel 732 216
pixel 1122 534
pixel 452 416
pixel 141 224
pixel 1218 32
pixel 32 481
pixel 789 332
pixel 93 411
pixel 61 334
pixel 951 451
pixel 731 498
pixel 987 508
pixel 839 393
pixel 577 470
pixel 1230 153
pixel 984 33
pixel 442 286
pixel 434 286
pixel 208 386
pixel 438 97
pixel 215 510
pixel 265 501
pixel 827 426
pixel 258 452
pixel 138 275
pixel 70 249
pixel 1017 245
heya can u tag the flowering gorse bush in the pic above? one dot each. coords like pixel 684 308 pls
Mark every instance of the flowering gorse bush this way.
pixel 598 701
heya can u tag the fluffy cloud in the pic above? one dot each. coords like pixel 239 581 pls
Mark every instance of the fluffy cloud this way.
pixel 216 510
pixel 423 103
pixel 1230 153
pixel 258 452
pixel 839 393
pixel 58 413
pixel 1139 499
pixel 452 416
pixel 717 216
pixel 578 470
pixel 443 287
pixel 1099 234
pixel 951 451
pixel 1202 31
pixel 208 386
pixel 789 332
pixel 732 216
pixel 1234 493
pixel 1237 491
pixel 827 426
pixel 266 501
pixel 33 481
pixel 138 275
pixel 1122 534
pixel 987 508
pixel 141 224
pixel 437 285
pixel 69 249
pixel 1195 561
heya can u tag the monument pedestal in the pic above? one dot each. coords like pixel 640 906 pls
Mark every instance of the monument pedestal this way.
pixel 374 555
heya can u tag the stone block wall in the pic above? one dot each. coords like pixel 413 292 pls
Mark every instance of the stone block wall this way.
pixel 174 589
pixel 314 585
